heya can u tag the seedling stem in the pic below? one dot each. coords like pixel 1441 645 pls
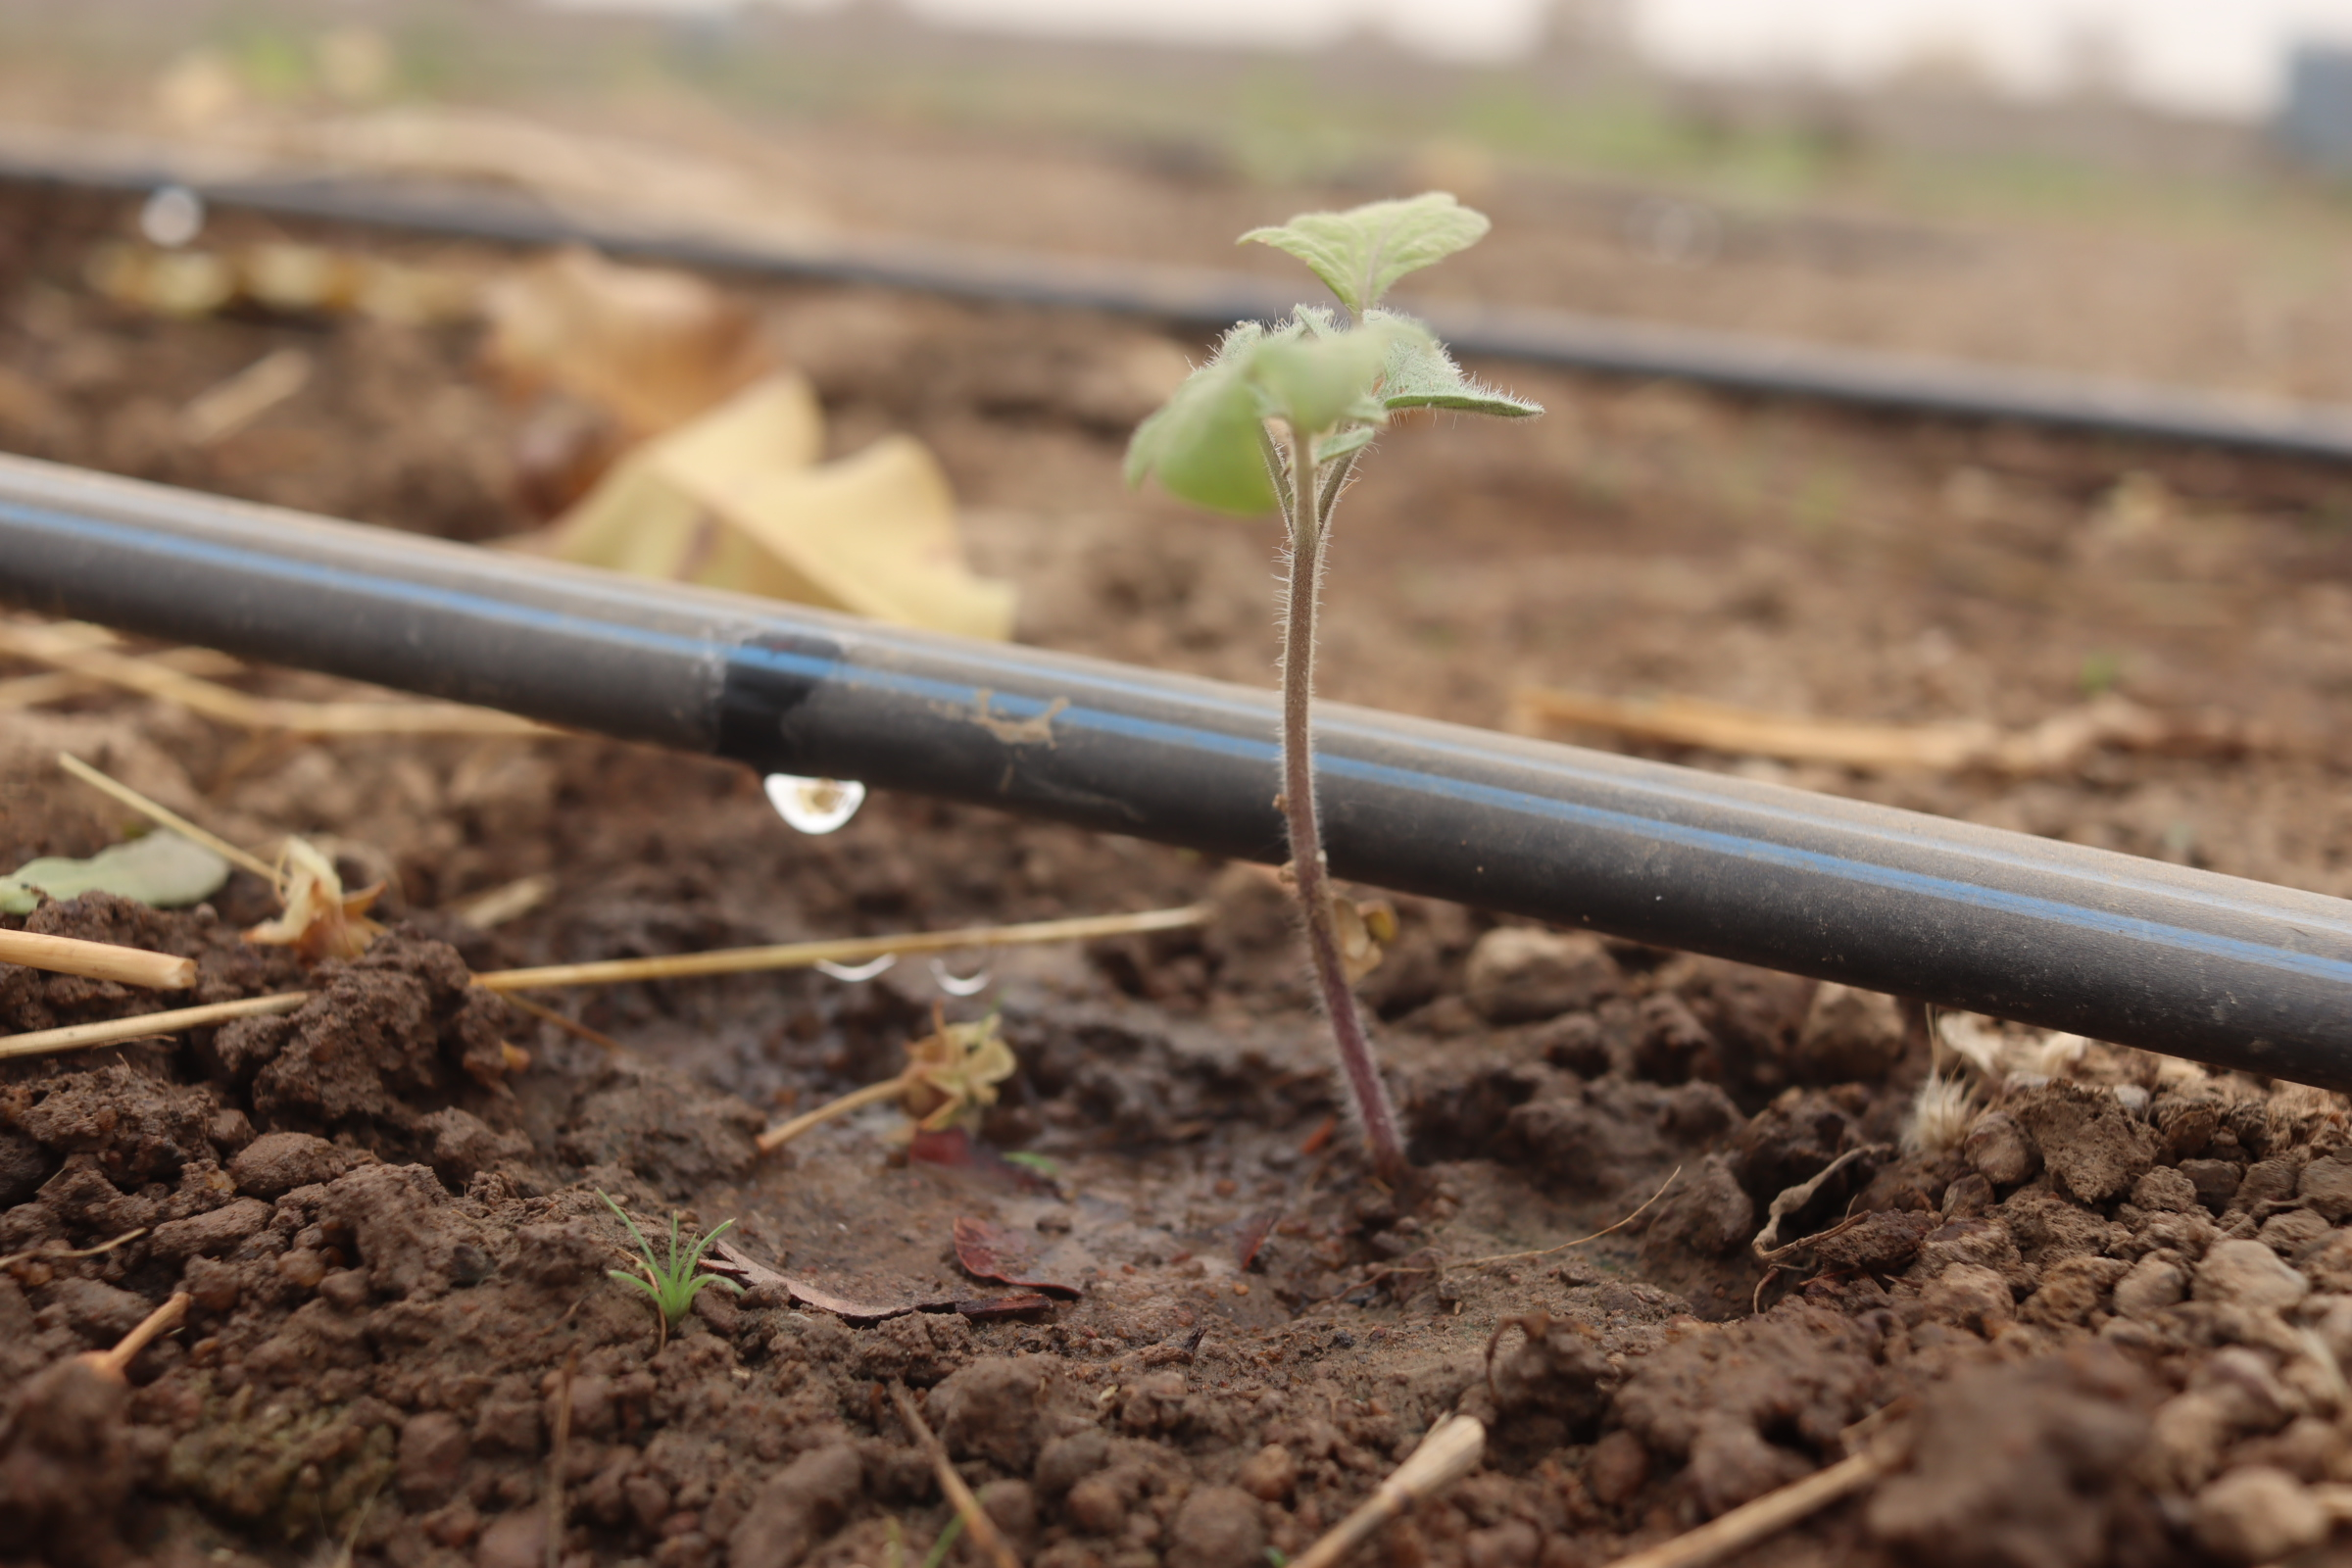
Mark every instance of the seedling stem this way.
pixel 1310 530
pixel 1275 421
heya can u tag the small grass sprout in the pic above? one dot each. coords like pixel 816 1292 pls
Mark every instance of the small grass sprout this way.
pixel 671 1285
pixel 1278 420
pixel 945 1544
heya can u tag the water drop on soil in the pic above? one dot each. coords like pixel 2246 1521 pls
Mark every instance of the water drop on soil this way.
pixel 855 973
pixel 815 804
pixel 172 217
pixel 970 985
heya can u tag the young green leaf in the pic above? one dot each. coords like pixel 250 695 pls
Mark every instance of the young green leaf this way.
pixel 1360 253
pixel 1315 383
pixel 1203 442
pixel 1421 374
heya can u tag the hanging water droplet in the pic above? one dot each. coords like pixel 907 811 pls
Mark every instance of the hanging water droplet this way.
pixel 855 973
pixel 813 804
pixel 173 217
pixel 970 985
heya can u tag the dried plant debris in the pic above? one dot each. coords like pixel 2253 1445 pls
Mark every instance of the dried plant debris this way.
pixel 177 677
pixel 653 345
pixel 319 920
pixel 2005 1052
pixel 737 499
pixel 2060 743
pixel 280 277
pixel 951 1079
pixel 1943 1114
pixel 990 1251
pixel 953 1073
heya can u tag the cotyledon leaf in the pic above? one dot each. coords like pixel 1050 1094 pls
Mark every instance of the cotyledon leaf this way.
pixel 1359 253
pixel 161 870
pixel 1203 443
pixel 1316 383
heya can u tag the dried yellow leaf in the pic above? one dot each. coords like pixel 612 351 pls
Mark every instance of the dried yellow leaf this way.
pixel 952 1072
pixel 318 920
pixel 737 499
pixel 656 347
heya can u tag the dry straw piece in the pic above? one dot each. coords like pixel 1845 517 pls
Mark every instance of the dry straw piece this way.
pixel 163 816
pixel 98 961
pixel 138 1026
pixel 1766 1516
pixel 510 901
pixel 844 950
pixel 615 971
pixel 115 1364
pixel 151 677
pixel 733 960
pixel 2057 745
pixel 558 1460
pixel 51 1252
pixel 977 1522
pixel 1451 1452
pixel 34 691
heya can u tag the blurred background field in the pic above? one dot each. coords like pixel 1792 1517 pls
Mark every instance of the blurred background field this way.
pixel 2061 186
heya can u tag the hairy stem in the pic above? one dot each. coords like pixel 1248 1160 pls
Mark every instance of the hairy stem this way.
pixel 1308 514
pixel 1279 471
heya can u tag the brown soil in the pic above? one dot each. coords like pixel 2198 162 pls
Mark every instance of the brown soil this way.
pixel 2111 1324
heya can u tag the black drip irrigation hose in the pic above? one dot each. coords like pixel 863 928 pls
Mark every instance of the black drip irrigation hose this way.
pixel 1203 298
pixel 2231 973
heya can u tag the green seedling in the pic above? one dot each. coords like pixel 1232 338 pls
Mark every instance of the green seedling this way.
pixel 894 1548
pixel 1278 420
pixel 945 1544
pixel 672 1286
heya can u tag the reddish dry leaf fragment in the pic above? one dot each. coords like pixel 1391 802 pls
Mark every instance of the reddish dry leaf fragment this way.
pixel 990 1251
pixel 825 1300
pixel 1320 1138
pixel 1253 1236
pixel 958 1149
pixel 726 1259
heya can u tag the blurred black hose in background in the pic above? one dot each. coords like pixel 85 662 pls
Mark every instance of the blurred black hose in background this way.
pixel 1213 300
